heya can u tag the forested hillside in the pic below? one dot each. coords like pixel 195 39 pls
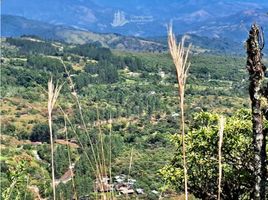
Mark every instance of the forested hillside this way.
pixel 129 109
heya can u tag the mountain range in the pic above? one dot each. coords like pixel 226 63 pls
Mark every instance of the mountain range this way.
pixel 211 18
pixel 15 26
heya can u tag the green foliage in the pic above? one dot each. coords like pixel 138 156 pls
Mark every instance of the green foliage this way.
pixel 23 77
pixel 138 92
pixel 45 63
pixel 92 51
pixel 27 46
pixel 61 161
pixel 202 157
pixel 8 128
pixel 40 133
pixel 44 152
pixel 18 179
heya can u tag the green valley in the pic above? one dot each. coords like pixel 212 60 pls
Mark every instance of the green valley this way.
pixel 129 114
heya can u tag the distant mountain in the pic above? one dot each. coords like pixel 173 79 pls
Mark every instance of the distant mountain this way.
pixel 208 45
pixel 234 26
pixel 212 18
pixel 15 26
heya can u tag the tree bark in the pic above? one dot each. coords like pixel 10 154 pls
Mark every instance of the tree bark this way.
pixel 256 75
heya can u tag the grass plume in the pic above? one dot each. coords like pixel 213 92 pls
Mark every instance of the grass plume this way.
pixel 179 56
pixel 53 93
pixel 221 129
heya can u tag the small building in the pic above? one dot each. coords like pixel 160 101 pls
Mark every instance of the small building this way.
pixel 161 74
pixel 120 178
pixel 103 185
pixel 124 188
pixel 174 114
pixel 126 191
pixel 154 192
pixel 131 181
pixel 139 191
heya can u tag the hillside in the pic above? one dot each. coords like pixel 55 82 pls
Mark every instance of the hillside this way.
pixel 208 45
pixel 134 100
pixel 130 95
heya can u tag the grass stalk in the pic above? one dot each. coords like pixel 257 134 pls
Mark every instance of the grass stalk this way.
pixel 75 197
pixel 221 129
pixel 129 167
pixel 101 148
pixel 180 57
pixel 27 185
pixel 53 93
pixel 110 153
pixel 74 93
pixel 99 153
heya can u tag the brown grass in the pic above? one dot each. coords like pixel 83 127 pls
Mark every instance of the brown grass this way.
pixel 180 56
pixel 221 128
pixel 53 93
pixel 99 162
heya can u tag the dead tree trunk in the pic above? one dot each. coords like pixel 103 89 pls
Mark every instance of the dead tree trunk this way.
pixel 256 75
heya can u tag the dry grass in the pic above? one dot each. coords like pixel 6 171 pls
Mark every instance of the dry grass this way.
pixel 53 93
pixel 75 197
pixel 98 162
pixel 180 56
pixel 221 128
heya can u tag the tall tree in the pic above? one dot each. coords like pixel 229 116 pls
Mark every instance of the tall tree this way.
pixel 256 69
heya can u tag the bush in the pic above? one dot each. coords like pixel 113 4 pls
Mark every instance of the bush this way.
pixel 9 129
pixel 40 133
pixel 202 153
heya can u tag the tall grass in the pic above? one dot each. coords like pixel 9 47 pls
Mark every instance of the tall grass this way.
pixel 221 129
pixel 99 158
pixel 110 153
pixel 53 93
pixel 75 197
pixel 180 56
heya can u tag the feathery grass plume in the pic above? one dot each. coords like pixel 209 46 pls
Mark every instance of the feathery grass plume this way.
pixel 221 126
pixel 53 93
pixel 179 56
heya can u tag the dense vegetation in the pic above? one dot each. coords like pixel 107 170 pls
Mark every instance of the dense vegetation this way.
pixel 137 92
pixel 202 151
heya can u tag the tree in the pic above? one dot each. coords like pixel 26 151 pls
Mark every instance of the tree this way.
pixel 256 71
pixel 202 152
pixel 40 132
pixel 61 161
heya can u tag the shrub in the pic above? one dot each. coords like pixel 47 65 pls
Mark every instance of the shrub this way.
pixel 40 133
